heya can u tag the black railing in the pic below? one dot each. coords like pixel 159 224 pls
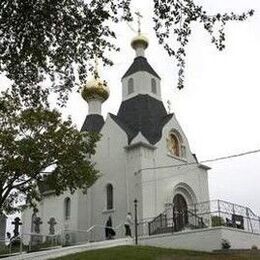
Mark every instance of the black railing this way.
pixel 195 221
pixel 159 225
pixel 203 215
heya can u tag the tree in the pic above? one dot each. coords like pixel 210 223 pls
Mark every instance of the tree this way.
pixel 173 19
pixel 57 40
pixel 38 148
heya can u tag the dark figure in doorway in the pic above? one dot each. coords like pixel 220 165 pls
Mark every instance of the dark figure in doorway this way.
pixel 128 223
pixel 109 231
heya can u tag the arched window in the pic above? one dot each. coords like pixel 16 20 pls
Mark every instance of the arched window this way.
pixel 34 216
pixel 175 144
pixel 130 86
pixel 67 208
pixel 153 86
pixel 110 199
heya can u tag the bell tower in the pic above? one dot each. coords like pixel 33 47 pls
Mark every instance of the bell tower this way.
pixel 140 78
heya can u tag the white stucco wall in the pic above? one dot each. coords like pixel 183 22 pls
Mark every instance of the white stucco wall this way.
pixel 159 185
pixel 94 106
pixel 142 85
pixel 203 239
pixel 53 206
pixel 112 163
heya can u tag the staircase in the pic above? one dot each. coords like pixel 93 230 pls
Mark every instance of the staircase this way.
pixel 166 222
pixel 63 251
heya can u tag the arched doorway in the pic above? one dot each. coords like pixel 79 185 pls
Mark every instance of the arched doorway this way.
pixel 180 212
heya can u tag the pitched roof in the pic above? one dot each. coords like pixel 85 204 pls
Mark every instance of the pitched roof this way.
pixel 93 123
pixel 140 64
pixel 144 114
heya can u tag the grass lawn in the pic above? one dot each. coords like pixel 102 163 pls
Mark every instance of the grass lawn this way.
pixel 153 253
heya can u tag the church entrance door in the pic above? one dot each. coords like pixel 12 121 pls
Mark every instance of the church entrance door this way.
pixel 180 212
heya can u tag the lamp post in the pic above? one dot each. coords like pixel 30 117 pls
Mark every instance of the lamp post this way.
pixel 136 235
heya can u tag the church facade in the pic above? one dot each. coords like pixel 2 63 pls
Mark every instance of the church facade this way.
pixel 143 154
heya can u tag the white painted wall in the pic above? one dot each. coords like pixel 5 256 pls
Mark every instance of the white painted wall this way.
pixel 94 106
pixel 142 85
pixel 111 162
pixel 203 239
pixel 160 185
pixel 53 206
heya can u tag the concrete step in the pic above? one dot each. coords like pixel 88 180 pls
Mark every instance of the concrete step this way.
pixel 62 251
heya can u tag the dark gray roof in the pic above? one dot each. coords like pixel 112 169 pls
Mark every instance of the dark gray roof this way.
pixel 144 114
pixel 140 64
pixel 93 123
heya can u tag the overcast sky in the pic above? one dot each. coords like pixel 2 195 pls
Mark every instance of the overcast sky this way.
pixel 219 107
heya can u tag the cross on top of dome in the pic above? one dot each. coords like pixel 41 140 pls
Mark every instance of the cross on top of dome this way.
pixel 139 42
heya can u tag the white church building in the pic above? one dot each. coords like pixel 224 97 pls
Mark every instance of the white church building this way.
pixel 143 154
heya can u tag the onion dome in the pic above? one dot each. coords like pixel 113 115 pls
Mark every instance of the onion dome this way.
pixel 139 41
pixel 95 89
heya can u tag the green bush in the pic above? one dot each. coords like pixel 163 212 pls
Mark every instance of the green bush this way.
pixel 217 221
pixel 225 244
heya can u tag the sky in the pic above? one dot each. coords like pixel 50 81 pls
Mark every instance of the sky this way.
pixel 219 107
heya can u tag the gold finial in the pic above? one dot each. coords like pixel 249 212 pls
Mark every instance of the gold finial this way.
pixel 95 88
pixel 139 16
pixel 139 41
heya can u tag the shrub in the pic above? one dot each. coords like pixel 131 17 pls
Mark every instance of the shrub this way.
pixel 254 247
pixel 217 221
pixel 225 244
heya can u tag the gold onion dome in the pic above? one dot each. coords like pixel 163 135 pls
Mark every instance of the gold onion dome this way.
pixel 95 89
pixel 139 41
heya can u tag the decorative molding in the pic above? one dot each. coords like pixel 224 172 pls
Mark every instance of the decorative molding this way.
pixel 204 167
pixel 177 157
pixel 138 144
pixel 107 211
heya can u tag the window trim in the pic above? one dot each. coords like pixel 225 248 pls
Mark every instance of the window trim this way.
pixel 130 86
pixel 181 147
pixel 109 197
pixel 153 86
pixel 67 208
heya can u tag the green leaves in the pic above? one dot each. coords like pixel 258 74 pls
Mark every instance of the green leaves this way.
pixel 56 40
pixel 37 146
pixel 173 20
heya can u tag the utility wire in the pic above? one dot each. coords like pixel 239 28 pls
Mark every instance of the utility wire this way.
pixel 193 163
pixel 196 163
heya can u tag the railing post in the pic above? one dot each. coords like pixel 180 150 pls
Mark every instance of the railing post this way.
pixel 10 247
pixel 219 217
pixel 136 235
pixel 259 224
pixel 160 220
pixel 249 220
pixel 195 214
pixel 21 244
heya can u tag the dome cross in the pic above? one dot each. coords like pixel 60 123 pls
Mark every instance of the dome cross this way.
pixel 139 16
